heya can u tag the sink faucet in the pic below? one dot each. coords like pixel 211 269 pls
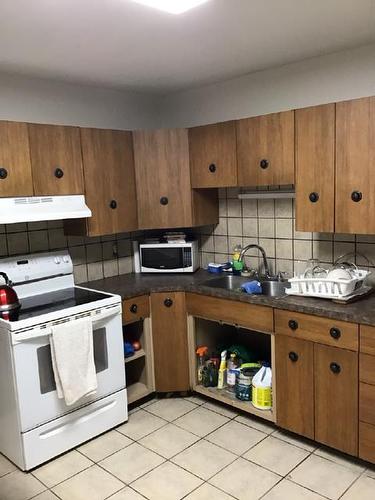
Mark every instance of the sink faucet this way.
pixel 261 250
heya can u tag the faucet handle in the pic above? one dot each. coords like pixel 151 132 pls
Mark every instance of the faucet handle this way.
pixel 281 275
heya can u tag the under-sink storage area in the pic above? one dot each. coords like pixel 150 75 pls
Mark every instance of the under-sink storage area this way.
pixel 217 337
pixel 139 365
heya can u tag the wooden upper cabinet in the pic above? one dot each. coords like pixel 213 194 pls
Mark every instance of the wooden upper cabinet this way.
pixel 265 149
pixel 355 159
pixel 56 159
pixel 213 158
pixel 315 168
pixel 15 166
pixel 108 164
pixel 336 398
pixel 164 195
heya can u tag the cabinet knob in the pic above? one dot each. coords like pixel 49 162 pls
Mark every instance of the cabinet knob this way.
pixel 59 173
pixel 356 196
pixel 264 163
pixel 3 173
pixel 314 197
pixel 293 324
pixel 168 302
pixel 335 333
pixel 133 308
pixel 113 204
pixel 212 168
pixel 293 356
pixel 335 368
pixel 164 200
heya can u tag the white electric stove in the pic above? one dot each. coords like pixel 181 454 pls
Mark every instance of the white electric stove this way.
pixel 35 425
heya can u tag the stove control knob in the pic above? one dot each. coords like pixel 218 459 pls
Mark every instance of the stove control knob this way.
pixel 66 259
pixel 57 260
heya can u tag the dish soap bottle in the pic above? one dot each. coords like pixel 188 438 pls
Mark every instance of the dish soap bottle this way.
pixel 201 352
pixel 262 388
pixel 222 370
pixel 237 264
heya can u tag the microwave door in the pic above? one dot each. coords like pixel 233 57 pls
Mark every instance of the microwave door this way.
pixel 162 258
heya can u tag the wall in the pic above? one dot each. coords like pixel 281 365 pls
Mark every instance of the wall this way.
pixel 271 224
pixel 335 77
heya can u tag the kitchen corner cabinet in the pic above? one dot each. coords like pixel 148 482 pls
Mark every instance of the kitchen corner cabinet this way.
pixel 169 331
pixel 265 149
pixel 213 157
pixel 56 159
pixel 108 165
pixel 355 158
pixel 315 168
pixel 164 195
pixel 15 165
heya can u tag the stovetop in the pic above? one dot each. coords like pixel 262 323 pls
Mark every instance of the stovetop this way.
pixel 59 300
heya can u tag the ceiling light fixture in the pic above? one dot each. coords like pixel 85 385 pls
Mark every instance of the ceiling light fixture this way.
pixel 172 6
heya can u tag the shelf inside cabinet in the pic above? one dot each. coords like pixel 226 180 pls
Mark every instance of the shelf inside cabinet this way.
pixel 136 355
pixel 137 391
pixel 225 397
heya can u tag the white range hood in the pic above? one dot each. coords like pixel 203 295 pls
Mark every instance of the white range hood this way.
pixel 40 208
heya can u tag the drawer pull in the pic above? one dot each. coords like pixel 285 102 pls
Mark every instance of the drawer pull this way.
pixel 293 356
pixel 293 324
pixel 3 173
pixel 164 200
pixel 133 308
pixel 59 173
pixel 335 368
pixel 335 333
pixel 212 168
pixel 314 197
pixel 264 164
pixel 168 302
pixel 356 196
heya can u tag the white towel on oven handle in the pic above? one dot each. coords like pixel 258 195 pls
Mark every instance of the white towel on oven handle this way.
pixel 72 353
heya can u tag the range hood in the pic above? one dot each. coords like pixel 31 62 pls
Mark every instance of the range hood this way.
pixel 40 208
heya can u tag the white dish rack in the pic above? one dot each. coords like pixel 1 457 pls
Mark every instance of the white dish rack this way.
pixel 327 288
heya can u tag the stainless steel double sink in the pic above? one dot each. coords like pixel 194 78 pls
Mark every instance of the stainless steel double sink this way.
pixel 270 287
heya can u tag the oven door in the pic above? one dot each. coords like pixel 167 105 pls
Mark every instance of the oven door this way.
pixel 163 259
pixel 35 382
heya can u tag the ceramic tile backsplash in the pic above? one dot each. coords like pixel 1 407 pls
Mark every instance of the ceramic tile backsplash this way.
pixel 93 258
pixel 271 224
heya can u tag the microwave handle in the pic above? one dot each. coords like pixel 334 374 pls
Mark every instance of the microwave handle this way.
pixel 44 332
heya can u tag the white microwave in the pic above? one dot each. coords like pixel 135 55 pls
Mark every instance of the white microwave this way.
pixel 169 257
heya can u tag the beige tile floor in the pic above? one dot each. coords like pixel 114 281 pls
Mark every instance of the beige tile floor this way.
pixel 191 449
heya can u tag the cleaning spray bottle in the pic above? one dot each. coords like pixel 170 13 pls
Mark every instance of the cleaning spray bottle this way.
pixel 222 370
pixel 201 352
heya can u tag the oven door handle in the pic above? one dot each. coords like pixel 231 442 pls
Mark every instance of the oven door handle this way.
pixel 96 316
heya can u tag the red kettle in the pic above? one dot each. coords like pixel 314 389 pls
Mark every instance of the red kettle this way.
pixel 9 303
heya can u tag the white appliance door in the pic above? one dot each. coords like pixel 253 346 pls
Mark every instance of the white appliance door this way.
pixel 35 382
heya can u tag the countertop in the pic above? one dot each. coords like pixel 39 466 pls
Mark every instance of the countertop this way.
pixel 132 285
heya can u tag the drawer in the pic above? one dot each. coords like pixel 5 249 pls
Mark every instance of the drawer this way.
pixel 367 442
pixel 367 403
pixel 367 368
pixel 253 317
pixel 317 329
pixel 135 309
pixel 367 339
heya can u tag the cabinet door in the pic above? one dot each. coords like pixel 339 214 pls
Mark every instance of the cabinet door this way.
pixel 15 166
pixel 336 398
pixel 169 332
pixel 163 178
pixel 265 149
pixel 295 383
pixel 213 158
pixel 355 159
pixel 108 164
pixel 315 168
pixel 56 159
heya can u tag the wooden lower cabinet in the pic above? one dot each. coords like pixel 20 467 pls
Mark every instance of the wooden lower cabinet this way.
pixel 336 398
pixel 295 382
pixel 169 330
pixel 367 441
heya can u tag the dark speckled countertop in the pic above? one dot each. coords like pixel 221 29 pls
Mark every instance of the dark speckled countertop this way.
pixel 132 285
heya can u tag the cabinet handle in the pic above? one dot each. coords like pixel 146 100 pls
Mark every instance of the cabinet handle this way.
pixel 293 356
pixel 168 302
pixel 335 333
pixel 133 308
pixel 3 173
pixel 335 368
pixel 212 168
pixel 163 200
pixel 314 197
pixel 356 196
pixel 113 204
pixel 293 324
pixel 59 173
pixel 264 163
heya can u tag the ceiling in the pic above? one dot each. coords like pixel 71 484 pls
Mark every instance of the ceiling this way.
pixel 121 44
